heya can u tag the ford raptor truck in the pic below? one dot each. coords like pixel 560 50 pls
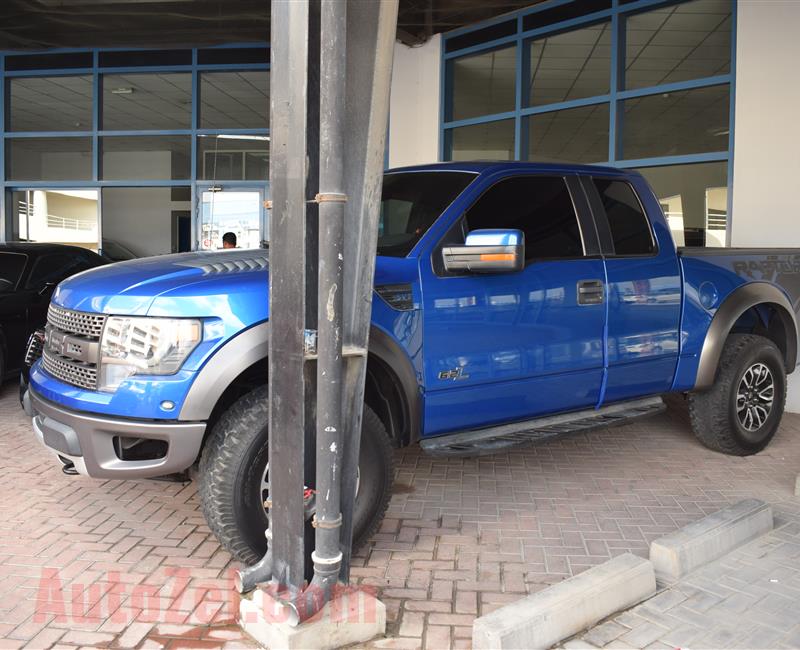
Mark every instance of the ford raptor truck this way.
pixel 512 302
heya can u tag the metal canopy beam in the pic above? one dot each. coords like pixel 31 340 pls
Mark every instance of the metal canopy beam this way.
pixel 333 66
pixel 287 290
pixel 41 24
pixel 356 56
pixel 370 48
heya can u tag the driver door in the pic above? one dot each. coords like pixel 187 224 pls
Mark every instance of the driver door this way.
pixel 511 346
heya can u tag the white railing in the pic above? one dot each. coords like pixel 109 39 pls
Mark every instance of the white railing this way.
pixel 54 221
pixel 69 223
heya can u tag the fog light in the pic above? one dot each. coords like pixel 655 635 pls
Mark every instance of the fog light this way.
pixel 167 405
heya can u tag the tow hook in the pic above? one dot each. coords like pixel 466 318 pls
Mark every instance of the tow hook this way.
pixel 68 467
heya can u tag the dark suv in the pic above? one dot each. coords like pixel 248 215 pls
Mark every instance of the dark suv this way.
pixel 29 274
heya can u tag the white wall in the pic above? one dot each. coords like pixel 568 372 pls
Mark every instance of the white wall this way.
pixel 414 104
pixel 140 218
pixel 766 144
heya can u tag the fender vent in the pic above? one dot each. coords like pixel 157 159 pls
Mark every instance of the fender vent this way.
pixel 398 296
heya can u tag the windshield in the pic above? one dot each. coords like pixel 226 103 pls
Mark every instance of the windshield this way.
pixel 11 267
pixel 411 202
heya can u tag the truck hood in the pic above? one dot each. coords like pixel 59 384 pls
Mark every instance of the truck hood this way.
pixel 186 284
pixel 231 285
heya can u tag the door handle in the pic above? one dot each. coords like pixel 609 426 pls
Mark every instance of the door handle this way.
pixel 591 292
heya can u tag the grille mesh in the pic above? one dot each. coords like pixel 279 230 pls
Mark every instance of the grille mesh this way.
pixel 75 322
pixel 35 347
pixel 71 372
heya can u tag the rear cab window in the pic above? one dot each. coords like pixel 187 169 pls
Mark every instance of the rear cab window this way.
pixel 627 222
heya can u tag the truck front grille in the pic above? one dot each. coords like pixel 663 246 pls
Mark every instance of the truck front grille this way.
pixel 71 346
pixel 76 322
pixel 70 372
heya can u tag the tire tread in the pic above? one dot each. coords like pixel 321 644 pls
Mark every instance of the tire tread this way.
pixel 229 442
pixel 708 410
pixel 219 465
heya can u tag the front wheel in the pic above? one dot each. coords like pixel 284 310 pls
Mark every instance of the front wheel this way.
pixel 234 478
pixel 741 412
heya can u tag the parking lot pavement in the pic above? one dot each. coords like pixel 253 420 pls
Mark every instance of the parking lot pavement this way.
pixel 85 562
pixel 748 599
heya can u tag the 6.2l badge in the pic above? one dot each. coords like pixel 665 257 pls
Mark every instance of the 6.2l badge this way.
pixel 455 374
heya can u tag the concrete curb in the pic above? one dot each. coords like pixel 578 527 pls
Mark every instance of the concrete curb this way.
pixel 354 616
pixel 558 612
pixel 707 540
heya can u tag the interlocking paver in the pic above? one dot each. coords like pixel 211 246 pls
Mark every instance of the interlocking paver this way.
pixel 760 616
pixel 461 538
pixel 605 633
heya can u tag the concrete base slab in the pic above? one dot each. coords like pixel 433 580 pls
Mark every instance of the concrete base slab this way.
pixel 558 612
pixel 704 541
pixel 353 616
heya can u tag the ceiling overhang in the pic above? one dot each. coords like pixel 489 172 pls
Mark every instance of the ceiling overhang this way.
pixel 51 24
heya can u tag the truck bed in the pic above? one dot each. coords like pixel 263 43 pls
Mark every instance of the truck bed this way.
pixel 705 251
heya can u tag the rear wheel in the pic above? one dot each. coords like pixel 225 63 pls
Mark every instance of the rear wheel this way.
pixel 234 479
pixel 741 412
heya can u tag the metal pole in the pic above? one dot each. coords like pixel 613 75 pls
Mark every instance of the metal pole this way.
pixel 284 560
pixel 287 259
pixel 350 170
pixel 327 556
pixel 371 30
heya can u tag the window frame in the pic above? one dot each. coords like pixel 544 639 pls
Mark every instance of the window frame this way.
pixel 583 216
pixel 601 217
pixel 93 63
pixel 618 14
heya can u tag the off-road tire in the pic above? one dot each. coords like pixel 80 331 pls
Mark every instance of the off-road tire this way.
pixel 232 465
pixel 713 413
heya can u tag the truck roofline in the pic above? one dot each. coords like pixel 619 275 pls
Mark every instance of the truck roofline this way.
pixel 489 166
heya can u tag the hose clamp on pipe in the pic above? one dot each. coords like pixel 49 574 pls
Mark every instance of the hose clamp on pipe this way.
pixel 330 197
pixel 334 523
pixel 326 561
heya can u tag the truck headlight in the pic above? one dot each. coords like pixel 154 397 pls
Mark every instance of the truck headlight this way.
pixel 144 346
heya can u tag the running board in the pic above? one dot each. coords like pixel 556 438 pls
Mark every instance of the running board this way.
pixel 480 442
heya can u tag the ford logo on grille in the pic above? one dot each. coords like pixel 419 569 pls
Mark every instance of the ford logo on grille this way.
pixel 66 345
pixel 56 342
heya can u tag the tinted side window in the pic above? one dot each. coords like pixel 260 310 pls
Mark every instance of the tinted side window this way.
pixel 539 206
pixel 630 229
pixel 411 203
pixel 11 267
pixel 55 267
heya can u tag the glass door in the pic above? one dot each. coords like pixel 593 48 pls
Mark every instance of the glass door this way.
pixel 231 215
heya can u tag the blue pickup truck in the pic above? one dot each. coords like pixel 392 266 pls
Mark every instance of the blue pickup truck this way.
pixel 512 302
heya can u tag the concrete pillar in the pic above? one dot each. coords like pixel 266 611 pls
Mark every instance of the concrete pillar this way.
pixel 766 153
pixel 414 104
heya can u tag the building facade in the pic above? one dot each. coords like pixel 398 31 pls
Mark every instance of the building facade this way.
pixel 646 85
pixel 138 152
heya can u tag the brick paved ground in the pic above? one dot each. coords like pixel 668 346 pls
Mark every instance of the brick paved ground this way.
pixel 748 599
pixel 86 562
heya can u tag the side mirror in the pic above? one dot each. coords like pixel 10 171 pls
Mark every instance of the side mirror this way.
pixel 487 251
pixel 45 288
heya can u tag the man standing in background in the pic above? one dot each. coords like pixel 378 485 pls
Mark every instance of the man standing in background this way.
pixel 229 240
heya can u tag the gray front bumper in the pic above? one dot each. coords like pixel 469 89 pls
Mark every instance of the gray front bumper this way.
pixel 87 441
